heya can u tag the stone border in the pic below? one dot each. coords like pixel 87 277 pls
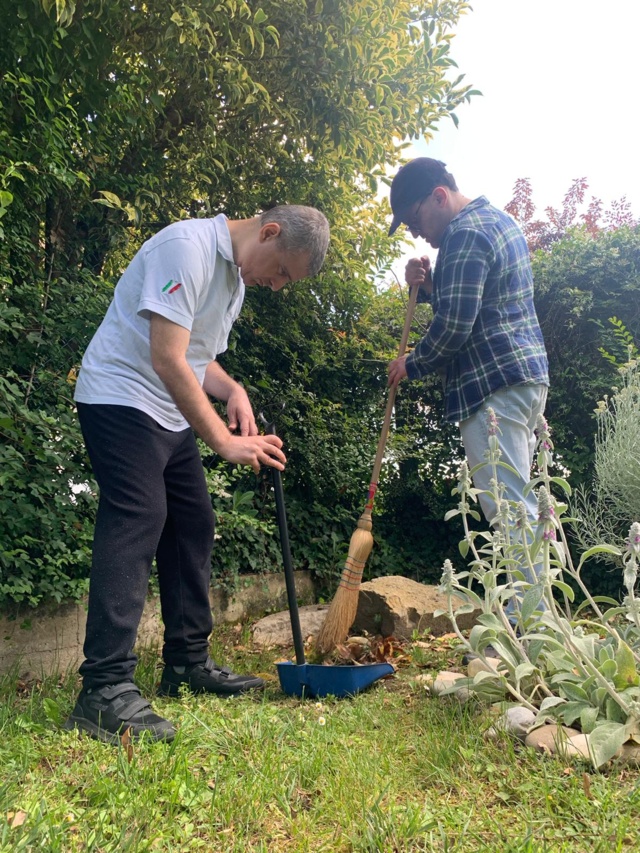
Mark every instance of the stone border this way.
pixel 48 639
pixel 520 722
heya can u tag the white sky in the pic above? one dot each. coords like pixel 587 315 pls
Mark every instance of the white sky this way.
pixel 559 82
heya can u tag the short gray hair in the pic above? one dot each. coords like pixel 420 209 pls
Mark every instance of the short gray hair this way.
pixel 303 230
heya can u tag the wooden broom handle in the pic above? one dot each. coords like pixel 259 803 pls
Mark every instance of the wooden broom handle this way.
pixel 377 464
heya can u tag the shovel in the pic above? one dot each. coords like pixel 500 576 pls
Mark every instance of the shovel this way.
pixel 301 678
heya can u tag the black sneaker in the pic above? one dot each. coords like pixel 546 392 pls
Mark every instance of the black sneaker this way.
pixel 207 677
pixel 106 713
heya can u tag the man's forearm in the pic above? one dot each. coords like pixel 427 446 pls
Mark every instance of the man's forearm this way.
pixel 190 398
pixel 169 343
pixel 218 383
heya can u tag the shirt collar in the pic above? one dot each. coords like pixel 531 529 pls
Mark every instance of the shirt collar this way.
pixel 225 247
pixel 481 201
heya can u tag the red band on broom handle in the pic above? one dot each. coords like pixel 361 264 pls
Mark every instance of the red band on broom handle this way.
pixel 373 488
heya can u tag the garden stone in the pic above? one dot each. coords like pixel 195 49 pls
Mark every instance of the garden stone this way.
pixel 398 607
pixel 578 747
pixel 275 629
pixel 440 681
pixel 444 680
pixel 629 753
pixel 435 685
pixel 476 665
pixel 515 721
pixel 550 738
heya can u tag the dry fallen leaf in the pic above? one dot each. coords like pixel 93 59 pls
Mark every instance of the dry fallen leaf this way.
pixel 16 818
pixel 343 652
pixel 365 650
pixel 385 649
pixel 358 647
pixel 127 743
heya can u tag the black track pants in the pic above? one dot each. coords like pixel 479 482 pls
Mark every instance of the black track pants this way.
pixel 153 502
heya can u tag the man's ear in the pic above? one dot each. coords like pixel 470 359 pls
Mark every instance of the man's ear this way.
pixel 440 195
pixel 269 231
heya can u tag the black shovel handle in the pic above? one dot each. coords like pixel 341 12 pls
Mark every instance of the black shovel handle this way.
pixel 286 559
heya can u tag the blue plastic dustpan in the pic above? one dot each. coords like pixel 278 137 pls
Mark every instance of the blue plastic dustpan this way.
pixel 301 678
pixel 313 680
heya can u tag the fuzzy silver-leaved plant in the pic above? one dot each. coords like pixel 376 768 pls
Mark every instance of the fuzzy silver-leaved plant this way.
pixel 577 664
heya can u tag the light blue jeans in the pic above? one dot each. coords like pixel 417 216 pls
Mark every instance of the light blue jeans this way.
pixel 517 409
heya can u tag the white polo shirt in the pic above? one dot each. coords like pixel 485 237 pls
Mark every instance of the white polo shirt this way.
pixel 185 273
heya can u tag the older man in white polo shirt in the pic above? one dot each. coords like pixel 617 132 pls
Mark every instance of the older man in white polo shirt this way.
pixel 142 392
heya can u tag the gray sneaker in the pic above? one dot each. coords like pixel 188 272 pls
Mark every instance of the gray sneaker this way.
pixel 106 713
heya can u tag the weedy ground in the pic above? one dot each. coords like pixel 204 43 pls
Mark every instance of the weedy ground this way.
pixel 390 771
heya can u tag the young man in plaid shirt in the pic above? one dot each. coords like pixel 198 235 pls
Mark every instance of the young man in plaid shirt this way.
pixel 485 339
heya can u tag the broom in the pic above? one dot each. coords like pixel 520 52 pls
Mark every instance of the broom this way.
pixel 342 611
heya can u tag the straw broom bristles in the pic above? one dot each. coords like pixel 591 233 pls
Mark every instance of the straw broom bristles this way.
pixel 342 611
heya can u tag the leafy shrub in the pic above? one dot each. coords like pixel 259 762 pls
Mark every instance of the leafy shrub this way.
pixel 244 542
pixel 114 126
pixel 612 503
pixel 46 511
pixel 581 282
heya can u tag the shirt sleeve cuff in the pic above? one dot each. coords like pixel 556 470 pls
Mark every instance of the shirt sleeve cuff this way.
pixel 147 306
pixel 413 372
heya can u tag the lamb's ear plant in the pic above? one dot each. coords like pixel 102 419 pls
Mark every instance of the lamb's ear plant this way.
pixel 573 664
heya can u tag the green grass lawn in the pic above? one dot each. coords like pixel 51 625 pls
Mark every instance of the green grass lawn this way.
pixel 389 771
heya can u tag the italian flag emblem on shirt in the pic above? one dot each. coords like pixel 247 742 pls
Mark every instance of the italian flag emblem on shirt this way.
pixel 171 286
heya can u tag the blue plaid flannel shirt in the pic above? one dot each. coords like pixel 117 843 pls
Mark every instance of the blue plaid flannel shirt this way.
pixel 485 333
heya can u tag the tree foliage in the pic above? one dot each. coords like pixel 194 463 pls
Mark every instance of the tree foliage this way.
pixel 542 233
pixel 586 268
pixel 118 119
pixel 581 283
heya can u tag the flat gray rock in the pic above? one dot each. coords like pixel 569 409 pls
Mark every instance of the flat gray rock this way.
pixel 275 629
pixel 515 721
